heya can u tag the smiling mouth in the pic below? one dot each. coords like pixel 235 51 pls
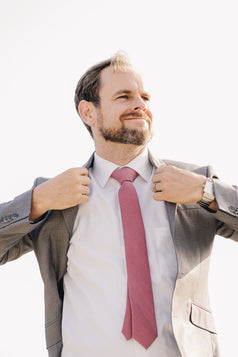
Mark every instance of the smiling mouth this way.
pixel 137 119
pixel 131 119
pixel 138 116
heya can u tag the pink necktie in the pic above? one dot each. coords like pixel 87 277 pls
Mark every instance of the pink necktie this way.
pixel 139 322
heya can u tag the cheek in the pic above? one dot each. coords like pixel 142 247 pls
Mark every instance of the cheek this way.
pixel 114 113
pixel 149 113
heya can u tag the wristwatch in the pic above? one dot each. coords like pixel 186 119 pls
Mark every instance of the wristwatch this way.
pixel 208 193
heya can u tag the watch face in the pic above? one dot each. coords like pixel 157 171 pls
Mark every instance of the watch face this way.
pixel 208 195
pixel 209 187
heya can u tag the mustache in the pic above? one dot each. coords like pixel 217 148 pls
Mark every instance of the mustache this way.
pixel 135 114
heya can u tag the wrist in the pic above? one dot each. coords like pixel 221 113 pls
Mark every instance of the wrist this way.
pixel 208 194
pixel 38 207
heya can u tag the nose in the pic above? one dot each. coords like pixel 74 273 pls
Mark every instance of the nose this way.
pixel 140 104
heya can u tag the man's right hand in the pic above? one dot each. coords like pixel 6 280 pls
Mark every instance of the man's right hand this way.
pixel 63 191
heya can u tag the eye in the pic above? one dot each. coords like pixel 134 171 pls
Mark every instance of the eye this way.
pixel 124 96
pixel 146 98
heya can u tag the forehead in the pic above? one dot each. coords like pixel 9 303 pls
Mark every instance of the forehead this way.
pixel 115 80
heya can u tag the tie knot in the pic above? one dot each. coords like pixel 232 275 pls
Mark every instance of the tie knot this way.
pixel 124 174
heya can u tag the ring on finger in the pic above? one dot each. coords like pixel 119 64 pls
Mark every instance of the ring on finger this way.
pixel 154 188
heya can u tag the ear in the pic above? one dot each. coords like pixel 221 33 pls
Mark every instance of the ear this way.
pixel 87 112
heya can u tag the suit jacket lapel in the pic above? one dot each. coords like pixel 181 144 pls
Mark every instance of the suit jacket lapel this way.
pixel 170 207
pixel 71 213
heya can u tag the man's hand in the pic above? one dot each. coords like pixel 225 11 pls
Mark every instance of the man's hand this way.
pixel 63 191
pixel 176 185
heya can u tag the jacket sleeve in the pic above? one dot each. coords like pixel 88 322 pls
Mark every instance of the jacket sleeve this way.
pixel 226 198
pixel 15 227
pixel 227 207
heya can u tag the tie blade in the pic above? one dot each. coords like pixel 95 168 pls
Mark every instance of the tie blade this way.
pixel 145 341
pixel 138 325
pixel 144 328
pixel 127 324
pixel 144 331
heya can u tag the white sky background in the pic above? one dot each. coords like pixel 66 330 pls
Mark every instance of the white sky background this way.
pixel 187 54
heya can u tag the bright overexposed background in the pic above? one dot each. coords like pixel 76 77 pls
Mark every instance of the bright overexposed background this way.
pixel 187 53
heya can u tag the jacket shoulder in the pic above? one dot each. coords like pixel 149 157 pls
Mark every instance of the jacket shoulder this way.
pixel 181 164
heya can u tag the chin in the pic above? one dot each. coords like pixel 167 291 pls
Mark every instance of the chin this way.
pixel 134 136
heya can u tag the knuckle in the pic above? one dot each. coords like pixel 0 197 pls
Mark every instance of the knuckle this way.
pixel 159 170
pixel 84 180
pixel 72 175
pixel 154 179
pixel 83 170
pixel 156 196
pixel 71 171
pixel 87 180
pixel 84 199
pixel 87 190
pixel 76 171
pixel 170 167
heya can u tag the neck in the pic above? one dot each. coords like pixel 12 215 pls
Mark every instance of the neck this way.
pixel 119 154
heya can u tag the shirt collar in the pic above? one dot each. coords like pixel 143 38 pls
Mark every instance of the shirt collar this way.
pixel 102 169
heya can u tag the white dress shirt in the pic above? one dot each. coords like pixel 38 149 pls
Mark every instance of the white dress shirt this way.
pixel 95 284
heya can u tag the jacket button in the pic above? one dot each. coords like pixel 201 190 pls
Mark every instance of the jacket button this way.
pixel 233 210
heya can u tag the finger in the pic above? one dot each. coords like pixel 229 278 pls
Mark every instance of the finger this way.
pixel 85 180
pixel 75 173
pixel 157 187
pixel 84 199
pixel 84 190
pixel 158 196
pixel 83 171
pixel 78 171
pixel 156 178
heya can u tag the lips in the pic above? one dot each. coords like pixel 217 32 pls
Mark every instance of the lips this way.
pixel 135 116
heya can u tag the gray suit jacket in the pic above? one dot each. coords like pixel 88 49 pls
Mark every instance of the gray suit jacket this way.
pixel 193 230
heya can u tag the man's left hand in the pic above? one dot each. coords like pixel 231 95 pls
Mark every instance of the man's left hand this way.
pixel 176 185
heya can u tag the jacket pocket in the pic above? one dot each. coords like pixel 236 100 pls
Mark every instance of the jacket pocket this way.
pixel 202 318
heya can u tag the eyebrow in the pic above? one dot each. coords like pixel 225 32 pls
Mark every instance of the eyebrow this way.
pixel 127 91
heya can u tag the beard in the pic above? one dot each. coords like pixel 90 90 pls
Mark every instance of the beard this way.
pixel 126 135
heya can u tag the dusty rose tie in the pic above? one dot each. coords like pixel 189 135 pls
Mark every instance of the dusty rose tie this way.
pixel 139 322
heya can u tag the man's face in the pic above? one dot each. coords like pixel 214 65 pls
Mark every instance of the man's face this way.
pixel 123 115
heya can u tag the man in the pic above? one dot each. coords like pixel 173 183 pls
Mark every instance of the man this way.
pixel 97 303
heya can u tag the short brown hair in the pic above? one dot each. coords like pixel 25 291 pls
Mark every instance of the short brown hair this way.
pixel 89 84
